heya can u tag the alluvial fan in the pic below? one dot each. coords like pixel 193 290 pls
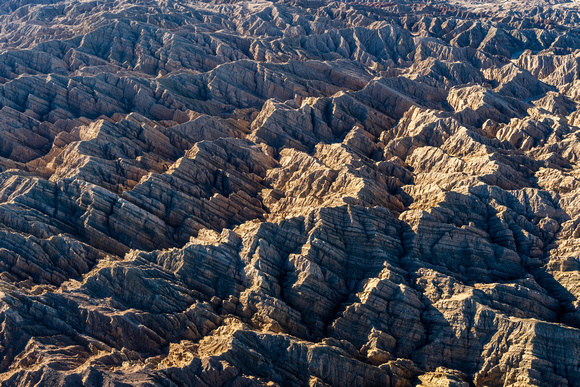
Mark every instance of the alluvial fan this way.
pixel 289 193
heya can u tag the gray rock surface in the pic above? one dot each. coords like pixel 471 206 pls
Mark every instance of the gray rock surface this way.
pixel 289 193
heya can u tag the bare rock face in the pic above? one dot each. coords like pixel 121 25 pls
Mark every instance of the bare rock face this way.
pixel 289 193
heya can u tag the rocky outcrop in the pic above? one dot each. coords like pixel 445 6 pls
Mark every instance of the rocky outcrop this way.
pixel 289 193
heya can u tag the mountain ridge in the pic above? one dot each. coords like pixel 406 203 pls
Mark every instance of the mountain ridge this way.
pixel 289 193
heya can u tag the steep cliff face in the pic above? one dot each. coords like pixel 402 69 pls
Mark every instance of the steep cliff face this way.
pixel 289 193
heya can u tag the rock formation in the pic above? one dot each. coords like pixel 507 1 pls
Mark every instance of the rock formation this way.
pixel 289 193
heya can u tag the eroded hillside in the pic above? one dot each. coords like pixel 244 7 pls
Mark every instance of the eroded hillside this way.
pixel 293 193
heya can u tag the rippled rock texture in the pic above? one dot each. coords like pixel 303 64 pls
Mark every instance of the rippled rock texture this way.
pixel 289 193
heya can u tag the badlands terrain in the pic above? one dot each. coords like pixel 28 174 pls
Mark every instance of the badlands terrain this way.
pixel 293 193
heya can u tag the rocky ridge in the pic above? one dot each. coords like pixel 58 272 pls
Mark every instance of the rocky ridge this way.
pixel 289 193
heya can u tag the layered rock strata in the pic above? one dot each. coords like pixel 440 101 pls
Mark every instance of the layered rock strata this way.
pixel 289 193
